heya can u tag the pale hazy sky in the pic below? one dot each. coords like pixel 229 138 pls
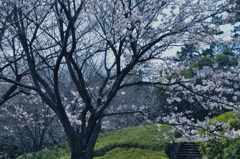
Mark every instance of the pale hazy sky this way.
pixel 227 35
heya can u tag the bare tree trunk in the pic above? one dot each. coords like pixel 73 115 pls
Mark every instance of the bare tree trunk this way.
pixel 76 150
pixel 83 148
pixel 81 143
pixel 80 151
pixel 93 139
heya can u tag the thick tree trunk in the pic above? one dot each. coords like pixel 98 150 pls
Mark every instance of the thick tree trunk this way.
pixel 85 150
pixel 73 137
pixel 79 151
pixel 93 139
pixel 82 144
pixel 76 150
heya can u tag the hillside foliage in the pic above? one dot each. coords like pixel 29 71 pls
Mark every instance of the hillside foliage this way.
pixel 144 142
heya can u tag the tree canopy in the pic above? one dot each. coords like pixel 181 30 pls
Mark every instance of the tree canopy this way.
pixel 92 46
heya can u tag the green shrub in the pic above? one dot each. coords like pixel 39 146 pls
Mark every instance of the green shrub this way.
pixel 177 134
pixel 223 148
pixel 233 150
pixel 214 149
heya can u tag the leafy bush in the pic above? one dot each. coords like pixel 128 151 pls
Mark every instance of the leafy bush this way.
pixel 223 148
pixel 177 134
pixel 214 149
pixel 233 150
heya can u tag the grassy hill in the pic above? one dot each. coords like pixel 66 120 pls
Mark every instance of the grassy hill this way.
pixel 142 142
pixel 145 142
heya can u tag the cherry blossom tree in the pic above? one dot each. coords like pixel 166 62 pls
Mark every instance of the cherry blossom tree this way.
pixel 29 124
pixel 216 89
pixel 47 42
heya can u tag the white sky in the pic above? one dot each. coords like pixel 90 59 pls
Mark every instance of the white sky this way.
pixel 226 36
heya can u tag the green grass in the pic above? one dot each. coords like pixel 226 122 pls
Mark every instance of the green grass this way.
pixel 133 153
pixel 144 137
pixel 142 142
pixel 225 117
pixel 60 151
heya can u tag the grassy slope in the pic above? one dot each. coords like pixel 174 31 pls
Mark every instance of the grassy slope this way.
pixel 130 143
pixel 133 153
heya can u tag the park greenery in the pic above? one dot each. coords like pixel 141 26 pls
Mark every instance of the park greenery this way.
pixel 72 71
pixel 134 142
pixel 224 148
pixel 147 142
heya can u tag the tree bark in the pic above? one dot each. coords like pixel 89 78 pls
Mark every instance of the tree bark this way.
pixel 81 143
pixel 86 151
pixel 83 148
pixel 93 139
